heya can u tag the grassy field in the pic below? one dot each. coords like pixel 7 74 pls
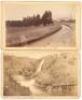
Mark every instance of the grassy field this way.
pixel 57 34
pixel 19 36
pixel 57 76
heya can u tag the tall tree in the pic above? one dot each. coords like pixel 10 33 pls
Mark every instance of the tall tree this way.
pixel 47 18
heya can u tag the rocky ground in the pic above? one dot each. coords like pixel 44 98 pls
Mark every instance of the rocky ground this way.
pixel 52 75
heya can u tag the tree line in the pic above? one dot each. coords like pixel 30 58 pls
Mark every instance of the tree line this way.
pixel 33 20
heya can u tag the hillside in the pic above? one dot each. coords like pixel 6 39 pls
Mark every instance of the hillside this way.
pixel 57 75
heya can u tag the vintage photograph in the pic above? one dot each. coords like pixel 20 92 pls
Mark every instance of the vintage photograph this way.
pixel 40 24
pixel 40 73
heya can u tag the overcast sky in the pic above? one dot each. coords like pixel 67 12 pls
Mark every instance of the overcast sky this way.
pixel 18 10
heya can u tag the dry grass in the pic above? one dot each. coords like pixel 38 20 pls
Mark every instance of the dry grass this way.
pixel 57 34
pixel 19 36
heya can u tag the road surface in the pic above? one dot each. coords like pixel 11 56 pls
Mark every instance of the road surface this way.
pixel 64 37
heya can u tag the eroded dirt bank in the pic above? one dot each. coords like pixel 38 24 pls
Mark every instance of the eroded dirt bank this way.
pixel 53 75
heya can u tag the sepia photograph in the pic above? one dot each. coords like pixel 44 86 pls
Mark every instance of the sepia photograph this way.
pixel 32 71
pixel 40 73
pixel 40 24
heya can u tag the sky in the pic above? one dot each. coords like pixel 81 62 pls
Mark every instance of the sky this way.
pixel 18 10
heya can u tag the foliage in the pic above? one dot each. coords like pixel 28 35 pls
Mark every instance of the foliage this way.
pixel 33 20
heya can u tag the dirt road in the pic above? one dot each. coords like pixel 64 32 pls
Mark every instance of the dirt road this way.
pixel 64 37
